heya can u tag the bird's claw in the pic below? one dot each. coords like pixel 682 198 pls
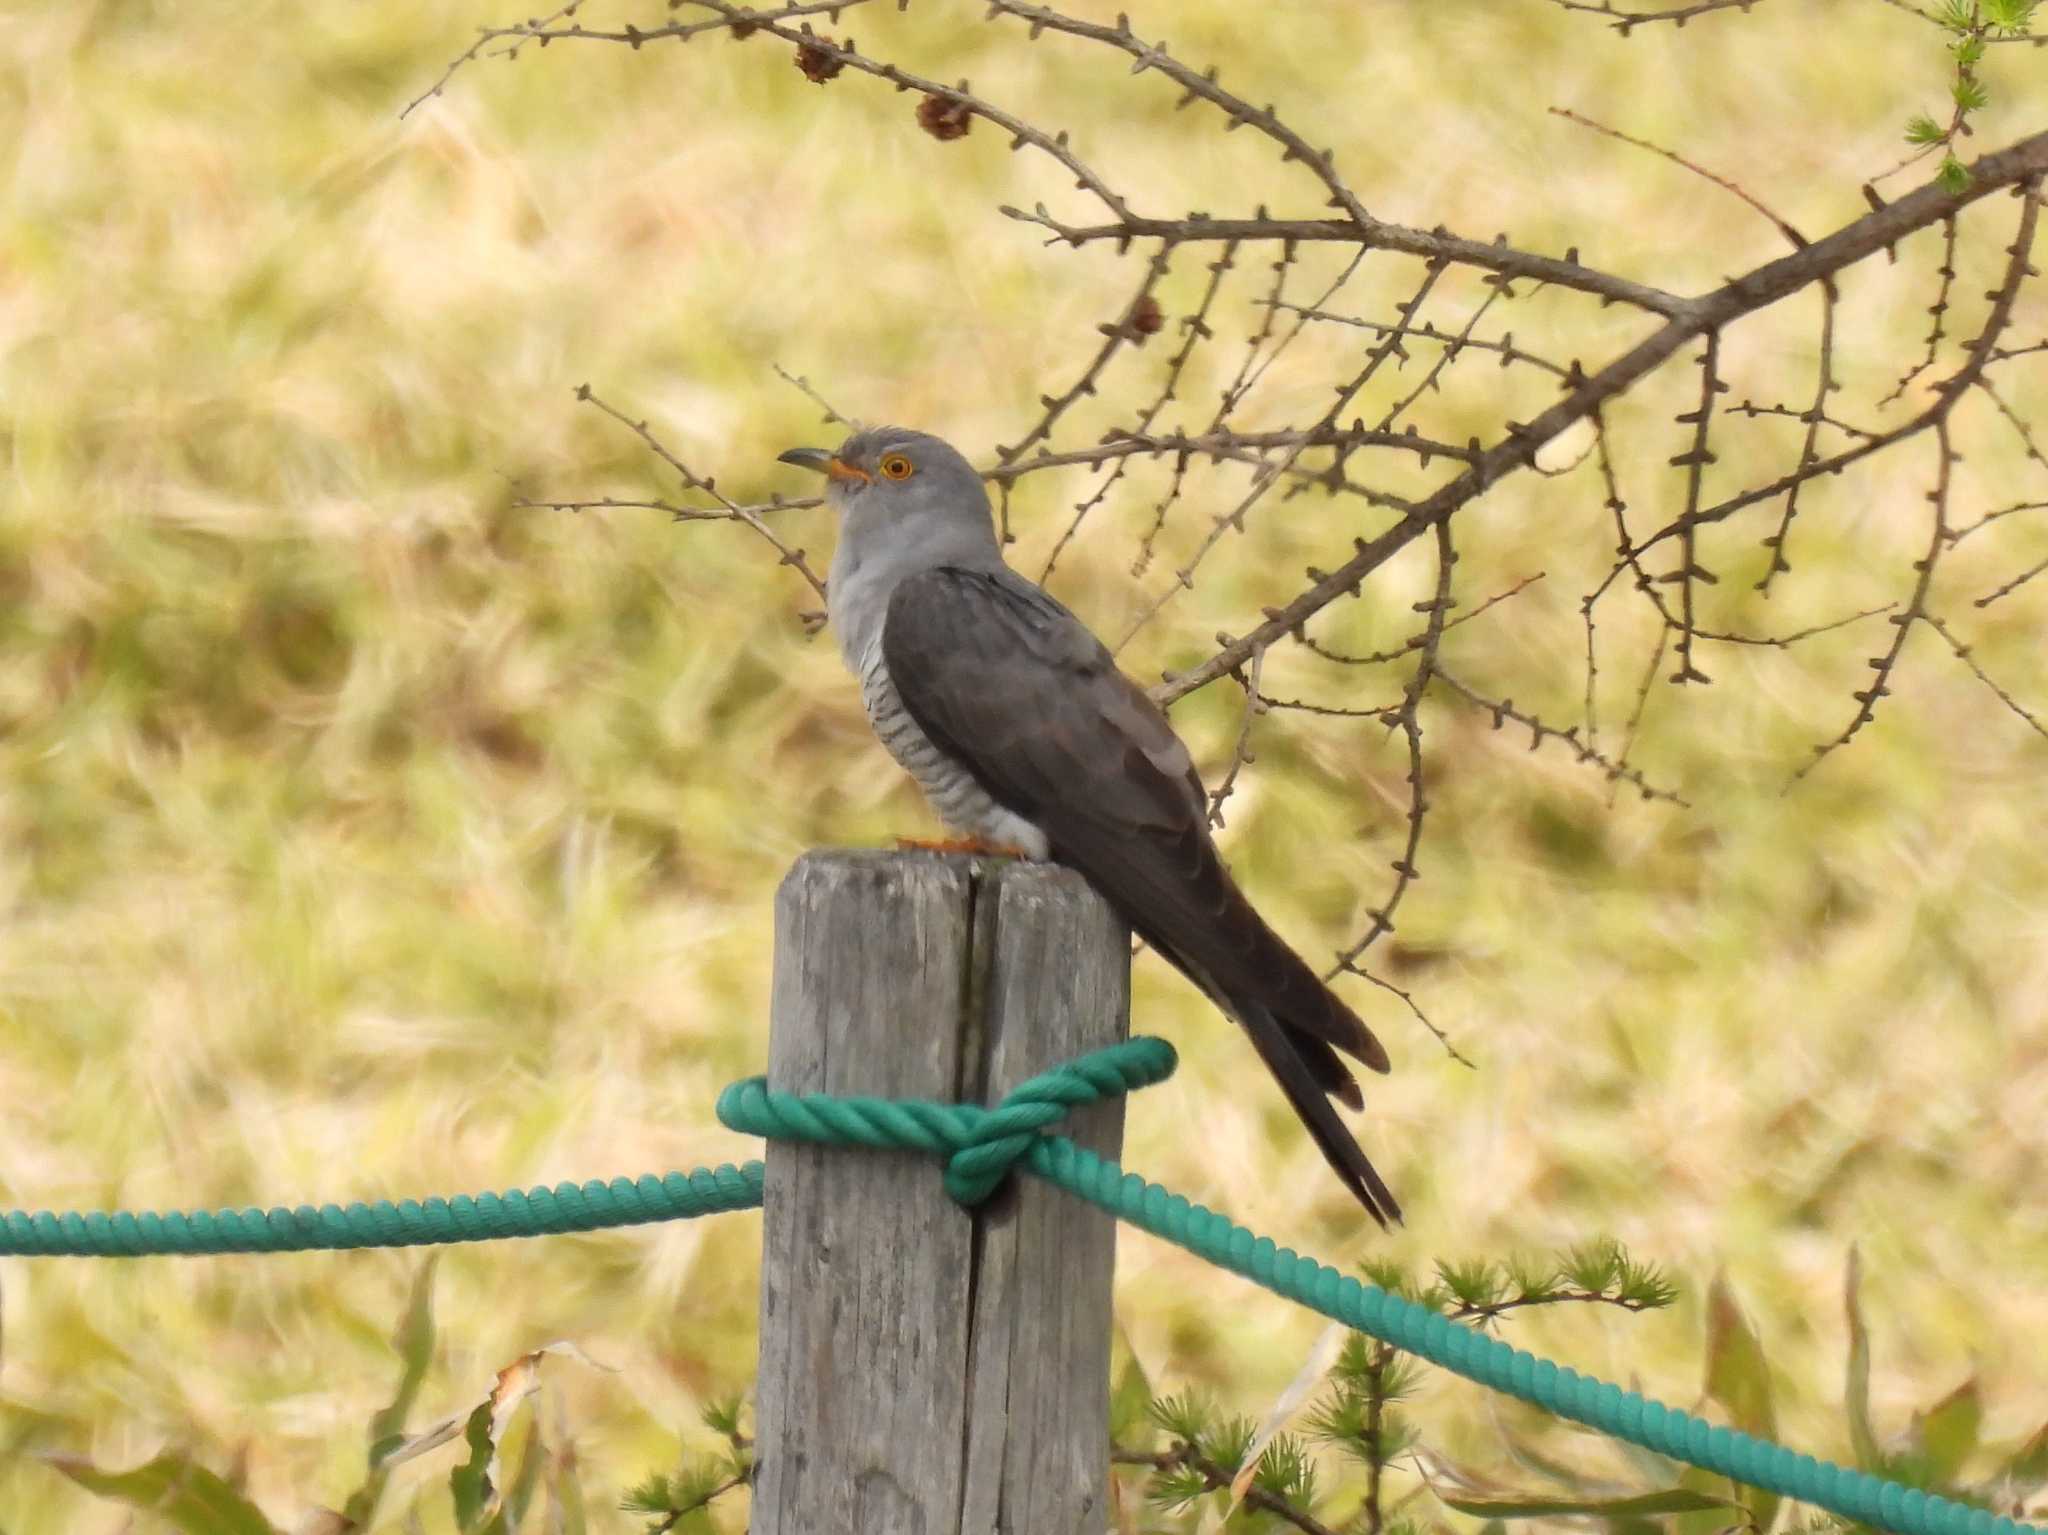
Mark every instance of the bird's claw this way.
pixel 979 847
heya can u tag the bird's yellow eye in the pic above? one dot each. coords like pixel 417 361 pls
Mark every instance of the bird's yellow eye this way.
pixel 895 466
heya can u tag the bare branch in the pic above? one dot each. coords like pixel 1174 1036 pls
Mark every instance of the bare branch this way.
pixel 1694 461
pixel 1882 667
pixel 1996 516
pixel 558 26
pixel 1241 753
pixel 803 385
pixel 1408 720
pixel 1625 22
pixel 1787 641
pixel 1429 245
pixel 1414 641
pixel 2022 162
pixel 1504 347
pixel 1637 710
pixel 1321 163
pixel 1938 310
pixel 1140 319
pixel 1963 654
pixel 1503 711
pixel 1268 473
pixel 1194 331
pixel 960 97
pixel 2009 587
pixel 1724 183
pixel 731 510
pixel 1426 437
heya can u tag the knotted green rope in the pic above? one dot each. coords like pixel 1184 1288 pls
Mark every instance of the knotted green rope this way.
pixel 980 1146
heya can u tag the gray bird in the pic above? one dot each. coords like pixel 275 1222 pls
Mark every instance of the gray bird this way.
pixel 1015 721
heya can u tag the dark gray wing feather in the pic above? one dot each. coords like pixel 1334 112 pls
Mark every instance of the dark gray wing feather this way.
pixel 1006 681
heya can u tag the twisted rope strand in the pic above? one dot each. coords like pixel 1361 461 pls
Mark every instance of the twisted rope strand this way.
pixel 1500 1366
pixel 533 1212
pixel 980 1146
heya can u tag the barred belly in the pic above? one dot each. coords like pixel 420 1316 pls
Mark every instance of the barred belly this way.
pixel 962 803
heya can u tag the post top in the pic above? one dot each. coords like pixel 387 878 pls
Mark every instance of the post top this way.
pixel 881 870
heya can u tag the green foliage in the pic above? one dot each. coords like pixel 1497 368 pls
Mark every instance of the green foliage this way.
pixel 682 1499
pixel 1177 1486
pixel 1367 1365
pixel 1474 1285
pixel 1935 1453
pixel 1357 1417
pixel 2010 18
pixel 1738 1381
pixel 1354 1418
pixel 1593 1272
pixel 1969 25
pixel 1185 1417
pixel 1226 1441
pixel 2026 1469
pixel 1943 1443
pixel 1617 1510
pixel 1603 1270
pixel 414 1342
pixel 469 1485
pixel 175 1489
pixel 1856 1389
pixel 1130 1401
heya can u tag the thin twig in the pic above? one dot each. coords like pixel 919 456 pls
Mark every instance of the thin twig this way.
pixel 1625 22
pixel 1194 331
pixel 1503 711
pixel 1414 641
pixel 2022 162
pixel 1963 654
pixel 1938 310
pixel 1241 753
pixel 1264 477
pixel 1882 667
pixel 803 385
pixel 1694 461
pixel 1726 184
pixel 1187 1457
pixel 732 510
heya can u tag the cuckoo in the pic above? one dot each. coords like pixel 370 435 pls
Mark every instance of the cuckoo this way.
pixel 1015 721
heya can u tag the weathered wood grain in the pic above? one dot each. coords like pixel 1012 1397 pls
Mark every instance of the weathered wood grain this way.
pixel 925 1371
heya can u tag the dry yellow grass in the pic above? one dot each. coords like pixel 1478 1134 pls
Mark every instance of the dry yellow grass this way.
pixel 362 834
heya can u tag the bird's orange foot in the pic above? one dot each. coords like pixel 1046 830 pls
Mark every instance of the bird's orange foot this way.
pixel 979 847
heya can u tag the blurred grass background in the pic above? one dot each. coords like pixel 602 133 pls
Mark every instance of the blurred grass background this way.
pixel 363 834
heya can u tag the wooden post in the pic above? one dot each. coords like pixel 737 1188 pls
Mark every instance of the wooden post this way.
pixel 924 1370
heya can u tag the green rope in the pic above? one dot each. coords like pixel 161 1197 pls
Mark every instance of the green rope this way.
pixel 408 1223
pixel 981 1145
pixel 973 1138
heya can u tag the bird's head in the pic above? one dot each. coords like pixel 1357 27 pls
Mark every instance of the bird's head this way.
pixel 907 486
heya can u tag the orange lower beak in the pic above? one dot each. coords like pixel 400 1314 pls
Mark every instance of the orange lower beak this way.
pixel 825 463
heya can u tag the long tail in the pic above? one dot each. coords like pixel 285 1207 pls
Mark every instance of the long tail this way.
pixel 1279 1048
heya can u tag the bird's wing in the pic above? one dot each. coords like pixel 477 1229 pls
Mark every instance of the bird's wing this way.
pixel 1011 685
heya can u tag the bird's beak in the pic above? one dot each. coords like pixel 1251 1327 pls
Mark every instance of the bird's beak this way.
pixel 824 462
